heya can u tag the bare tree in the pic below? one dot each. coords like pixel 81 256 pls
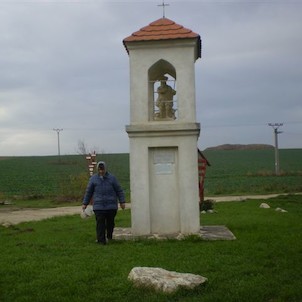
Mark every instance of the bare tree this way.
pixel 82 148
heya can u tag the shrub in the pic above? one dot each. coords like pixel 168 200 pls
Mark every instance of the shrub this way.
pixel 207 204
pixel 73 188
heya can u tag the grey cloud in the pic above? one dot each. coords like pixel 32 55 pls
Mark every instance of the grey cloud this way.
pixel 63 65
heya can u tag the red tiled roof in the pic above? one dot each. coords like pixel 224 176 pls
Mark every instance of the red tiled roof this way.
pixel 162 29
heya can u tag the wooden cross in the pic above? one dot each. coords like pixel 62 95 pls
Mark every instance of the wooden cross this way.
pixel 163 5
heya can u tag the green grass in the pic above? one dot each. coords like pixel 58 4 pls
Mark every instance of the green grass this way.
pixel 57 259
pixel 239 172
pixel 233 172
pixel 47 177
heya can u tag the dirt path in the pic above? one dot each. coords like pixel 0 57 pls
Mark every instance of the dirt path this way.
pixel 11 217
pixel 242 197
pixel 8 217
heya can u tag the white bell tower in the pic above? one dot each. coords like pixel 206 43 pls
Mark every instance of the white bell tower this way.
pixel 163 131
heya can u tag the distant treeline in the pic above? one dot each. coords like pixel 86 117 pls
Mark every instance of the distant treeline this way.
pixel 241 147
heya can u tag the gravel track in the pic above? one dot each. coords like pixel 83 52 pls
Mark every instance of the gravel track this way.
pixel 11 216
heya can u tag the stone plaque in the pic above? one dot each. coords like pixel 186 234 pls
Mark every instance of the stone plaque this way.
pixel 163 161
pixel 163 157
pixel 163 168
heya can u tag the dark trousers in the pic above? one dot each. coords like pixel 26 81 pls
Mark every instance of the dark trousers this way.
pixel 104 224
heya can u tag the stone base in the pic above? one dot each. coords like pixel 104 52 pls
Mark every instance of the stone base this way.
pixel 214 232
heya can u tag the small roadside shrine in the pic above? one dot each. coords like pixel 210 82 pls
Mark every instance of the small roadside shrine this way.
pixel 163 130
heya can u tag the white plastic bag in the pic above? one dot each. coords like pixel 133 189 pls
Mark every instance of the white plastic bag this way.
pixel 88 212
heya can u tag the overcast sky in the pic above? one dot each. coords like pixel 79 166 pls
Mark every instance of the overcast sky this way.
pixel 63 66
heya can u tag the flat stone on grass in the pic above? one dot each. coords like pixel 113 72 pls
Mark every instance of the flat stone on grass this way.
pixel 162 280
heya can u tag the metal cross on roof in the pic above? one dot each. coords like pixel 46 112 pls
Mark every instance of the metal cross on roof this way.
pixel 163 5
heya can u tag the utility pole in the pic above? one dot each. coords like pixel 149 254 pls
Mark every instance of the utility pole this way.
pixel 276 126
pixel 58 134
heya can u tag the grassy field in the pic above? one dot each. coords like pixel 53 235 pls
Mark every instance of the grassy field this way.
pixel 231 172
pixel 252 172
pixel 48 177
pixel 57 259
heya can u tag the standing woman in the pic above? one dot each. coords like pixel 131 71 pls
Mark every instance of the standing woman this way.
pixel 106 192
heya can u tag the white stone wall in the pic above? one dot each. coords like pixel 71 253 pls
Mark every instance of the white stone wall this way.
pixel 167 202
pixel 181 203
pixel 181 56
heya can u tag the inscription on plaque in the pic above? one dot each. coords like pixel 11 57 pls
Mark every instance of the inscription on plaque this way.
pixel 163 161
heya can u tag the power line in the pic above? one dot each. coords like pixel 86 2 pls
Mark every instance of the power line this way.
pixel 246 124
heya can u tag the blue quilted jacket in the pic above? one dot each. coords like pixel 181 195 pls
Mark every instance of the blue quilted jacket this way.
pixel 105 191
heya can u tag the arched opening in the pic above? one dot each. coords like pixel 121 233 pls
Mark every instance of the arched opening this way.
pixel 162 92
